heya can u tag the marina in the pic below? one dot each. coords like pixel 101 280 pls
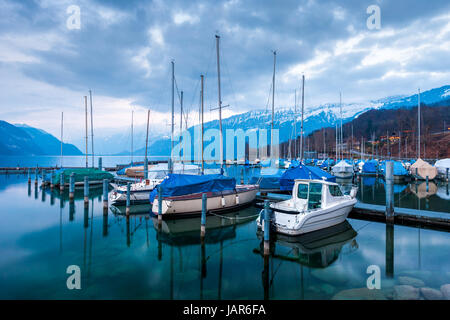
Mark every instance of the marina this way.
pixel 178 260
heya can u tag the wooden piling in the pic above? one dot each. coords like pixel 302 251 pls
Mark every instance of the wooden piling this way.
pixel 266 227
pixel 160 200
pixel 72 186
pixel 29 176
pixel 43 179
pixel 203 218
pixel 128 198
pixel 52 176
pixel 86 190
pixel 105 194
pixel 100 165
pixel 61 182
pixel 36 172
pixel 389 192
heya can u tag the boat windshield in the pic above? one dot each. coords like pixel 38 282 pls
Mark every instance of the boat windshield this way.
pixel 315 196
pixel 302 191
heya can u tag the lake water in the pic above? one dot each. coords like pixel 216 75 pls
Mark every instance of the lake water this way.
pixel 42 233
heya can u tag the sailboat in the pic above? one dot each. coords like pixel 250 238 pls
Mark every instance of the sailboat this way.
pixel 95 175
pixel 421 170
pixel 182 194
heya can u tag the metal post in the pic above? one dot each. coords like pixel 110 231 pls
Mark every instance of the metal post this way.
pixel 266 227
pixel 160 200
pixel 105 193
pixel 389 191
pixel 86 190
pixel 43 178
pixel 128 198
pixel 145 168
pixel 100 163
pixel 72 186
pixel 203 219
pixel 52 177
pixel 61 182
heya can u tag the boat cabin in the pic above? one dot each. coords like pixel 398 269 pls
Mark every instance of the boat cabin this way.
pixel 316 194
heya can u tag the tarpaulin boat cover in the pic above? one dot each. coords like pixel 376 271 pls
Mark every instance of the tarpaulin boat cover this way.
pixel 79 173
pixel 184 184
pixel 288 178
pixel 368 181
pixel 399 169
pixel 267 182
pixel 369 167
pixel 328 162
pixel 422 169
pixel 442 166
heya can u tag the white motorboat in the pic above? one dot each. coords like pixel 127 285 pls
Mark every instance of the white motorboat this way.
pixel 343 170
pixel 139 192
pixel 315 205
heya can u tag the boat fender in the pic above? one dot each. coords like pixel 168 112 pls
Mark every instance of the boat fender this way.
pixel 353 192
pixel 237 199
pixel 223 201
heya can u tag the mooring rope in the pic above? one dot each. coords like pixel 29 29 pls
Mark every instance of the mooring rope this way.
pixel 234 218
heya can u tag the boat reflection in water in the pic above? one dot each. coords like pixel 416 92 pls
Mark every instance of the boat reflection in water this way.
pixel 187 231
pixel 421 191
pixel 135 209
pixel 317 249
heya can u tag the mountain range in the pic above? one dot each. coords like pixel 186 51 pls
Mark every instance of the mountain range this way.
pixel 20 140
pixel 327 115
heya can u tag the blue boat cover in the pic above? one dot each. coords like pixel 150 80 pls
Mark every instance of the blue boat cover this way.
pixel 271 182
pixel 369 167
pixel 326 162
pixel 184 184
pixel 399 169
pixel 368 181
pixel 303 172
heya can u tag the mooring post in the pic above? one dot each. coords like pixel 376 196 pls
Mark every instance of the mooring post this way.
pixel 86 190
pixel 128 198
pixel 427 183
pixel 389 191
pixel 266 227
pixel 242 175
pixel 36 172
pixel 160 200
pixel 29 175
pixel 61 182
pixel 105 194
pixel 446 174
pixel 72 186
pixel 52 176
pixel 203 219
pixel 43 178
pixel 100 164
pixel 146 168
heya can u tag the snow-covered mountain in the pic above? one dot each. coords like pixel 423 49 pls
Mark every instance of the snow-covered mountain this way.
pixel 326 115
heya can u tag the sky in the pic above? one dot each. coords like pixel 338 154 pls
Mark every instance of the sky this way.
pixel 123 50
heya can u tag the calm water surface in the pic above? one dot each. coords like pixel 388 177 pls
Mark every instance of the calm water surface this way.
pixel 41 234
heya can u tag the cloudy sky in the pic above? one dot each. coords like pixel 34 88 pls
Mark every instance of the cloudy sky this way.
pixel 123 51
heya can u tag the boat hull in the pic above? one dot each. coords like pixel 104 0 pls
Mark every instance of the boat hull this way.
pixel 192 204
pixel 297 224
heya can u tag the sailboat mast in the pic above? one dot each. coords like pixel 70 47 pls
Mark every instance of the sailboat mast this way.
pixel 303 110
pixel 273 104
pixel 295 124
pixel 92 129
pixel 173 115
pixel 341 134
pixel 181 117
pixel 132 135
pixel 146 140
pixel 220 101
pixel 86 125
pixel 62 128
pixel 418 124
pixel 201 98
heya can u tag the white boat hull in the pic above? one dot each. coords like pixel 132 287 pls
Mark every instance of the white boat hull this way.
pixel 296 224
pixel 192 204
